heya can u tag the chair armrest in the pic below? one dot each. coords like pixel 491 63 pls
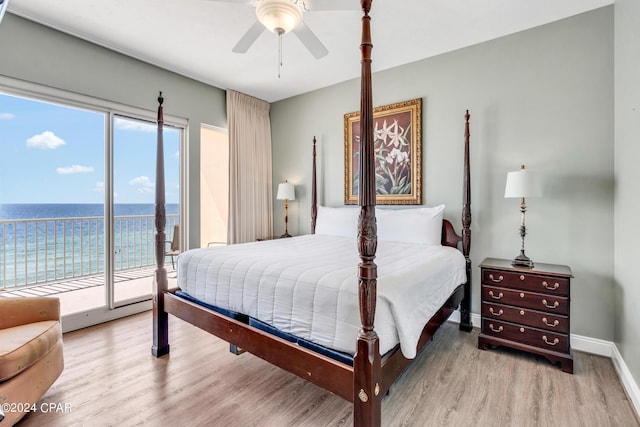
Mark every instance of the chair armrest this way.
pixel 22 311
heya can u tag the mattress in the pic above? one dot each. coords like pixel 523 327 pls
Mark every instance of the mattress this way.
pixel 308 286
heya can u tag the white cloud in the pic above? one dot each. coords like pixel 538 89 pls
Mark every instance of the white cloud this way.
pixel 7 116
pixel 46 140
pixel 99 187
pixel 68 170
pixel 143 183
pixel 124 124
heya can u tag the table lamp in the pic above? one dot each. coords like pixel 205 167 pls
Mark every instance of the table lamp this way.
pixel 286 192
pixel 521 184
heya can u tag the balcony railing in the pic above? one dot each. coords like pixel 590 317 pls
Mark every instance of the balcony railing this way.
pixel 39 251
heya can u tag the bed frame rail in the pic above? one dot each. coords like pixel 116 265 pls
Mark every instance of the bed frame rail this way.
pixel 323 371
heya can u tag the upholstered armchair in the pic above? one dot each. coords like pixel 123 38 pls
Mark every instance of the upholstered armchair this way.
pixel 30 352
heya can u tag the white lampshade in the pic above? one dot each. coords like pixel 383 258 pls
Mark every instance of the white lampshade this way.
pixel 522 183
pixel 279 16
pixel 286 191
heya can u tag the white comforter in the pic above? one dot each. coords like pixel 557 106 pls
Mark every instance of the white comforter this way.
pixel 308 286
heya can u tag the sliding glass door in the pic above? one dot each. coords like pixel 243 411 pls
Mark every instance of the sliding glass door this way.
pixel 133 198
pixel 77 203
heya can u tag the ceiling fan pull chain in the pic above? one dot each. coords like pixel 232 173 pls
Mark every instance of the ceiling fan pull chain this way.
pixel 279 51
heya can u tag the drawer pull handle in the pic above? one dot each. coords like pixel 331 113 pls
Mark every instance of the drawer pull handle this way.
pixel 500 295
pixel 498 313
pixel 521 294
pixel 521 312
pixel 553 325
pixel 521 277
pixel 500 328
pixel 521 329
pixel 500 278
pixel 551 288
pixel 555 304
pixel 555 340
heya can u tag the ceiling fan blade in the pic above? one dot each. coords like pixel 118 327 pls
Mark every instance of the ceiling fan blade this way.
pixel 249 38
pixel 311 42
pixel 316 5
pixel 3 7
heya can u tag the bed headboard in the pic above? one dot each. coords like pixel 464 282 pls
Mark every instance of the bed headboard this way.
pixel 449 235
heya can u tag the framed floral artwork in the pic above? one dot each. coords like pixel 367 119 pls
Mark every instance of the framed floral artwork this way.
pixel 398 146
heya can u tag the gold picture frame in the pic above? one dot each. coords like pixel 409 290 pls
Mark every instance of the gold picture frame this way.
pixel 398 146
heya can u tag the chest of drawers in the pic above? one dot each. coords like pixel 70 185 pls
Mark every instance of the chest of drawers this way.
pixel 527 309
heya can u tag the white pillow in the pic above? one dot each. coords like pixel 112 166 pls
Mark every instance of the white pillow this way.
pixel 416 225
pixel 337 221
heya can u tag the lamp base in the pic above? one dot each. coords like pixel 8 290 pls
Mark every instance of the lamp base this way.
pixel 286 234
pixel 522 261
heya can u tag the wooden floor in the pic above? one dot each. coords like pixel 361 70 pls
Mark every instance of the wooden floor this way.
pixel 111 379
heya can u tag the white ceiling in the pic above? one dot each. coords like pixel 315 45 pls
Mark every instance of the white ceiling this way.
pixel 195 37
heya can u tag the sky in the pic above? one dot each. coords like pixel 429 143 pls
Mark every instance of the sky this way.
pixel 55 154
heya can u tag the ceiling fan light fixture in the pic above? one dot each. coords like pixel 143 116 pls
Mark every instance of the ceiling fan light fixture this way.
pixel 279 16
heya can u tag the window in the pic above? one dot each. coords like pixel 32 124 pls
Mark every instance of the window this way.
pixel 77 181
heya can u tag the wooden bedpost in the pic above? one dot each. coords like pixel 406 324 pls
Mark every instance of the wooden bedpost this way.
pixel 465 305
pixel 160 284
pixel 314 191
pixel 366 364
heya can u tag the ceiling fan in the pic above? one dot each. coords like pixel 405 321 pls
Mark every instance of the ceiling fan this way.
pixel 283 16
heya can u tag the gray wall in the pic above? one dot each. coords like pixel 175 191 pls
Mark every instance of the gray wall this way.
pixel 41 55
pixel 627 174
pixel 542 97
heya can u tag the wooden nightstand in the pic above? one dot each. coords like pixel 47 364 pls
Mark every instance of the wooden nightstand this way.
pixel 527 309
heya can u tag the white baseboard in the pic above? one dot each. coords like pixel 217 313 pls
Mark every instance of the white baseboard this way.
pixel 592 345
pixel 629 384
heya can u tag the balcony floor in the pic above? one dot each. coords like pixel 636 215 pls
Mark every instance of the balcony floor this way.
pixel 85 293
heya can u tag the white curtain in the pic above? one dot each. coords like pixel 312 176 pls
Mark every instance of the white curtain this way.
pixel 250 190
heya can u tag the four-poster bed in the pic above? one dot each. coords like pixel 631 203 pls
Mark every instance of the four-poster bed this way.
pixel 366 375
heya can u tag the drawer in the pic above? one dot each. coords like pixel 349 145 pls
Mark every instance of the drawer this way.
pixel 526 335
pixel 526 281
pixel 547 303
pixel 525 316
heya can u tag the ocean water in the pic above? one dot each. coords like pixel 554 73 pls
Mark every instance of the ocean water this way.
pixel 70 210
pixel 41 243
